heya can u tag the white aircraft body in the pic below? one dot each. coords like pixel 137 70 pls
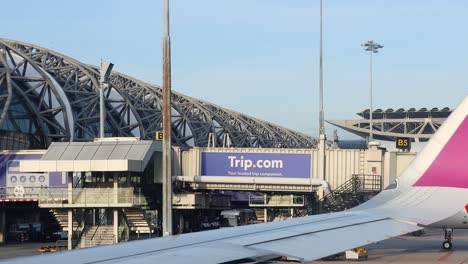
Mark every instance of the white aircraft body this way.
pixel 431 192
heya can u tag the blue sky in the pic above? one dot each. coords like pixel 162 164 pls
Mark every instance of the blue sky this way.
pixel 260 57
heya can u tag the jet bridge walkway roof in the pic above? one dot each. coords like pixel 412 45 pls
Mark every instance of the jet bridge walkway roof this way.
pixel 94 156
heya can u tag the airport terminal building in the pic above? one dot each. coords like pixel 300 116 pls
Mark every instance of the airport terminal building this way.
pixel 56 174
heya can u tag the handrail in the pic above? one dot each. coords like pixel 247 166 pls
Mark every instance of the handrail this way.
pixel 278 200
pixel 94 196
pixel 358 183
pixel 123 227
pixel 50 194
pixel 101 217
pixel 78 232
pixel 81 180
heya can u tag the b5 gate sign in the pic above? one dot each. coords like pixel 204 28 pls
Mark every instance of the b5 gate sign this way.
pixel 403 143
pixel 286 165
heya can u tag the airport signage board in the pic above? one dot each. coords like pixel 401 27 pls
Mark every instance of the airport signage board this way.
pixel 159 135
pixel 234 164
pixel 403 143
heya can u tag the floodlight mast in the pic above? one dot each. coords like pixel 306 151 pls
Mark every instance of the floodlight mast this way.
pixel 166 108
pixel 371 47
pixel 321 117
pixel 322 136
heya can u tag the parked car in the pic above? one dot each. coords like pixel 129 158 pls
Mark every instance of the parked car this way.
pixel 19 233
pixel 33 232
pixel 37 232
pixel 59 235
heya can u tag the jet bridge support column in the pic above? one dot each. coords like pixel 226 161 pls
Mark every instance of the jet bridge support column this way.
pixel 70 229
pixel 116 225
pixel 2 225
pixel 116 211
pixel 321 173
pixel 70 211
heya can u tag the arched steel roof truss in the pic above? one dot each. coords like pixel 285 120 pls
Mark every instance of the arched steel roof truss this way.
pixel 61 95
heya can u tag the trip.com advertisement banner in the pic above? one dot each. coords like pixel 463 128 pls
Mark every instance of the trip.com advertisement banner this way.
pixel 285 165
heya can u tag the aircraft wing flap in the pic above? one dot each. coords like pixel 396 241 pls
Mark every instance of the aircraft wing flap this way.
pixel 305 225
pixel 213 252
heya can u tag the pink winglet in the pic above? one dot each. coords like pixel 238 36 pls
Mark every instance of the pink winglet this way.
pixel 450 168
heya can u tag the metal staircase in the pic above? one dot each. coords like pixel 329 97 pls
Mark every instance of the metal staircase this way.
pixel 351 193
pixel 137 220
pixel 260 213
pixel 97 235
pixel 61 215
pixel 93 224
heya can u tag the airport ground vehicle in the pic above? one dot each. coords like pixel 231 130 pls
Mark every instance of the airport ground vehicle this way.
pixel 238 217
pixel 32 232
pixel 19 233
pixel 356 254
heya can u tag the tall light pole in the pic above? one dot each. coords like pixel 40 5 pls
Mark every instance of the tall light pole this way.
pixel 371 47
pixel 321 117
pixel 322 136
pixel 166 108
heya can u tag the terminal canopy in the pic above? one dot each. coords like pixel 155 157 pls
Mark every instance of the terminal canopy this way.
pixel 94 156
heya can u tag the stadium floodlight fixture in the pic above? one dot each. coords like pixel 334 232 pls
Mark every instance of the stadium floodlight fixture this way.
pixel 372 46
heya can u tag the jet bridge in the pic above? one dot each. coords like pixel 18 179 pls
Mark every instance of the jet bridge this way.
pixel 286 170
pixel 251 169
pixel 279 173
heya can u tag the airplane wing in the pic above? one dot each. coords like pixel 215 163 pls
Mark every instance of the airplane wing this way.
pixel 306 238
pixel 434 187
